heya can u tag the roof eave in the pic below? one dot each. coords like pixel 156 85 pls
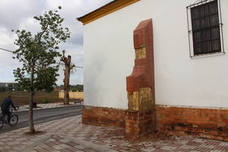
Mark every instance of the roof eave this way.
pixel 105 10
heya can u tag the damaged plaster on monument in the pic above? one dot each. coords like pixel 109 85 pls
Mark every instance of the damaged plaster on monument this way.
pixel 140 116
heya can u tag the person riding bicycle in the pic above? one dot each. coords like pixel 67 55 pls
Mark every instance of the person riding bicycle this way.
pixel 6 105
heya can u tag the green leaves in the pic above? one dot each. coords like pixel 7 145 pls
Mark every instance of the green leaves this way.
pixel 40 51
pixel 21 78
pixel 46 78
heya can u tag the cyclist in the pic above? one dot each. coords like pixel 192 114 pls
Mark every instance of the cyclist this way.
pixel 6 105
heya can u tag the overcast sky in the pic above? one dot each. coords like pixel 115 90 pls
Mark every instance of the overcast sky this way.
pixel 18 14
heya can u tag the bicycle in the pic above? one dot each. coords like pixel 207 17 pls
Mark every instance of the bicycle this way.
pixel 13 119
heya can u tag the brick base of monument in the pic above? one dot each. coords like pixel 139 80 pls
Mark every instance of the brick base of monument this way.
pixel 139 124
pixel 208 123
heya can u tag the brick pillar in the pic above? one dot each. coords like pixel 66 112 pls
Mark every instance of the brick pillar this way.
pixel 140 116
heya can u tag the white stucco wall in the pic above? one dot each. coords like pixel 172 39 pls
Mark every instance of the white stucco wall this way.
pixel 180 80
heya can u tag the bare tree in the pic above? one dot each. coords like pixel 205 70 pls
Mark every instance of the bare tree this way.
pixel 68 67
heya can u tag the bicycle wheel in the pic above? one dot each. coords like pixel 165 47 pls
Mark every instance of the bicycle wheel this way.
pixel 13 120
pixel 1 122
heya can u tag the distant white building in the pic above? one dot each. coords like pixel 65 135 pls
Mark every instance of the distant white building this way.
pixel 190 64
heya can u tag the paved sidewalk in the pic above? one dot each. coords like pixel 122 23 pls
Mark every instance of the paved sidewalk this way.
pixel 47 106
pixel 70 135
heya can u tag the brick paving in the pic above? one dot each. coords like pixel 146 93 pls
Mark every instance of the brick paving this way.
pixel 70 135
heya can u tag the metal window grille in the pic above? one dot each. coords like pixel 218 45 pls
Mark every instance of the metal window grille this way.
pixel 205 28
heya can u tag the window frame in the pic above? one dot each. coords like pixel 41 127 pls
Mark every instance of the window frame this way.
pixel 190 30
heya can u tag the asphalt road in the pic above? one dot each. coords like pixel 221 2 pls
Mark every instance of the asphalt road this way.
pixel 44 115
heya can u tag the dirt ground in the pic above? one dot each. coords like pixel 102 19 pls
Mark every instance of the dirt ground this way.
pixel 22 98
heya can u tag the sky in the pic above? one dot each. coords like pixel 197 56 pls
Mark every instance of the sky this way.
pixel 18 14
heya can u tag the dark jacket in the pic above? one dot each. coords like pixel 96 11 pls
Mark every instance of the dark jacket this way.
pixel 6 104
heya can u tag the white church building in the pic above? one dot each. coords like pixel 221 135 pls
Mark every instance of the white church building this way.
pixel 157 65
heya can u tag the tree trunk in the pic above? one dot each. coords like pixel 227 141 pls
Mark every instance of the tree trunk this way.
pixel 66 81
pixel 31 123
pixel 66 85
pixel 66 97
